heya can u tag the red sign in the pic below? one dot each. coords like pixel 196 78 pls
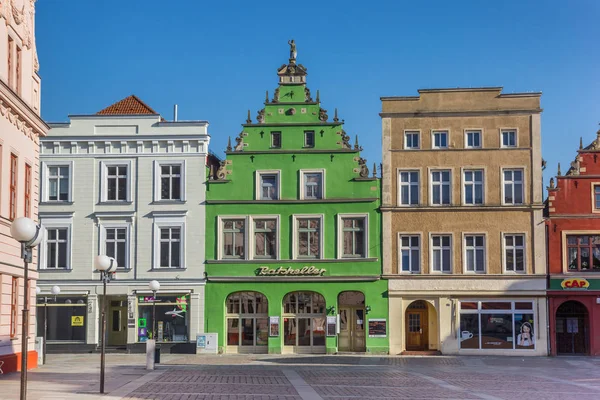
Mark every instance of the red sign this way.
pixel 575 283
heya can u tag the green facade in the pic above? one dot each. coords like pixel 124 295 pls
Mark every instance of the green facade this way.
pixel 347 194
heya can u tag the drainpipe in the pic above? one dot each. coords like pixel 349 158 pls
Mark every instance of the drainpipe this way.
pixel 548 314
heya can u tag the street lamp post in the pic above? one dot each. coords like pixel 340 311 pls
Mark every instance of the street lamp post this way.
pixel 55 291
pixel 29 234
pixel 106 265
pixel 154 286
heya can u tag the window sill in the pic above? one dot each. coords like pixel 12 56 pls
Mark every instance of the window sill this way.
pixel 114 202
pixel 168 269
pixel 56 203
pixel 55 270
pixel 171 202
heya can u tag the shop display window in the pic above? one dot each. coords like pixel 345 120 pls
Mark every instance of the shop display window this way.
pixel 66 318
pixel 172 318
pixel 247 319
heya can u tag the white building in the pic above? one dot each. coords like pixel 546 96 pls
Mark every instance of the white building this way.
pixel 126 183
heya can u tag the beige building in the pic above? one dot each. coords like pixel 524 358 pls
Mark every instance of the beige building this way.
pixel 463 231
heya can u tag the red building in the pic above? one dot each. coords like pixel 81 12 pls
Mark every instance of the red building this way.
pixel 573 230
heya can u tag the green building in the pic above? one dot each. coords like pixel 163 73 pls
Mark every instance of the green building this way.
pixel 293 234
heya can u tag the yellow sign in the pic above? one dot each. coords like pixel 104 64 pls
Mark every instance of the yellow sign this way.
pixel 77 321
pixel 575 283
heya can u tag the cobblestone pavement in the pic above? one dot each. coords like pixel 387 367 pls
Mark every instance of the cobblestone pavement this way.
pixel 185 377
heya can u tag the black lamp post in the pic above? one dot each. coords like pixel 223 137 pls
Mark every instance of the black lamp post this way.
pixel 154 286
pixel 106 265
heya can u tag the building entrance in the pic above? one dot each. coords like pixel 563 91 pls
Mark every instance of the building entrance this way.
pixel 352 322
pixel 117 322
pixel 416 326
pixel 304 319
pixel 572 328
pixel 247 323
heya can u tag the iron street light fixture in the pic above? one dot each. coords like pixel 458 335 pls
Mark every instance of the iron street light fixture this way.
pixel 29 234
pixel 55 291
pixel 106 265
pixel 154 286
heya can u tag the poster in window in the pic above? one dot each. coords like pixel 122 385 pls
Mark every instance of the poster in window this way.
pixel 524 331
pixel 332 326
pixel 572 325
pixel 377 328
pixel 274 326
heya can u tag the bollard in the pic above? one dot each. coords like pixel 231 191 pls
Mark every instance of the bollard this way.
pixel 150 346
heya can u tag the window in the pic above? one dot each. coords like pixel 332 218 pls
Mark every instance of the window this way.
pixel 116 181
pixel 583 253
pixel 304 319
pixel 57 180
pixel 497 325
pixel 440 140
pixel 473 187
pixel 172 317
pixel 116 246
pixel 509 138
pixel 597 197
pixel 247 319
pixel 18 69
pixel 353 236
pixel 170 247
pixel 514 253
pixel 267 185
pixel 411 140
pixel 410 253
pixel 13 187
pixel 59 316
pixel 440 187
pixel 309 138
pixel 474 253
pixel 473 139
pixel 11 76
pixel 441 253
pixel 265 238
pixel 234 243
pixel 27 212
pixel 57 248
pixel 14 305
pixel 170 182
pixel 513 186
pixel 276 140
pixel 409 188
pixel 308 233
pixel 312 185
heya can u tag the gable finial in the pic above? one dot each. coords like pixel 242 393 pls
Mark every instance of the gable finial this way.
pixel 267 97
pixel 558 173
pixel 229 144
pixel 248 119
pixel 374 170
pixel 580 143
pixel 335 116
pixel 551 183
pixel 318 98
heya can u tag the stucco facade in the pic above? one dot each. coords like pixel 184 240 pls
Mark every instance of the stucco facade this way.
pixel 573 230
pixel 463 221
pixel 128 184
pixel 20 129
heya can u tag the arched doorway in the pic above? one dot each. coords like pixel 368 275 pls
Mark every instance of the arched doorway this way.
pixel 304 319
pixel 247 318
pixel 352 322
pixel 417 317
pixel 572 328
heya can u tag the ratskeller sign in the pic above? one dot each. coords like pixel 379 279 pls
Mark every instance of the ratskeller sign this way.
pixel 283 271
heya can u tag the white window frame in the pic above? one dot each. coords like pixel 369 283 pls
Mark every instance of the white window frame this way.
pixel 412 132
pixel 128 245
pixel 323 182
pixel 464 185
pixel 400 184
pixel 438 131
pixel 314 137
pixel 169 220
pixel 157 179
pixel 431 171
pixel 400 248
pixel 258 186
pixel 594 186
pixel 271 138
pixel 220 238
pixel 251 240
pixel 464 252
pixel 295 235
pixel 340 235
pixel 104 180
pixel 442 248
pixel 472 131
pixel 510 168
pixel 515 131
pixel 514 247
pixel 62 222
pixel 46 180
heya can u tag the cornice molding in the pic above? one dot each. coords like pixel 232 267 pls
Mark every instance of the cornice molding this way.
pixel 458 113
pixel 18 113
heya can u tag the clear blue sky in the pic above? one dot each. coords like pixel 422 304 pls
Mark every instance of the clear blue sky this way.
pixel 215 59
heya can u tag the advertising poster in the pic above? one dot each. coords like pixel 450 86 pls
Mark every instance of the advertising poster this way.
pixel 332 326
pixel 377 328
pixel 77 320
pixel 524 331
pixel 273 326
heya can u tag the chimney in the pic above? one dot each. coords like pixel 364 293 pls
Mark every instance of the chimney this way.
pixel 175 113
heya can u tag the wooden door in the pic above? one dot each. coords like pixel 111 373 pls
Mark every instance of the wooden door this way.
pixel 117 324
pixel 344 338
pixel 352 329
pixel 416 326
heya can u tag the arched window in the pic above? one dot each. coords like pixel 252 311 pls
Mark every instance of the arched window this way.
pixel 247 320
pixel 304 319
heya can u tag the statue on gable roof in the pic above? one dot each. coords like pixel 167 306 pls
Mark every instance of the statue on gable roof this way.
pixel 293 52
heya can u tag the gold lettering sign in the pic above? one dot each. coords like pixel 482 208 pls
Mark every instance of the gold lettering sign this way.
pixel 289 271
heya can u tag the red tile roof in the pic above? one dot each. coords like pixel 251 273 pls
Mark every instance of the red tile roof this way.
pixel 131 105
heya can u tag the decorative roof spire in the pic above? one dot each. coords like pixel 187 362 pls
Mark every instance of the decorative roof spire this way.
pixel 335 116
pixel 229 144
pixel 580 143
pixel 374 170
pixel 356 146
pixel 558 173
pixel 318 98
pixel 267 97
pixel 248 119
